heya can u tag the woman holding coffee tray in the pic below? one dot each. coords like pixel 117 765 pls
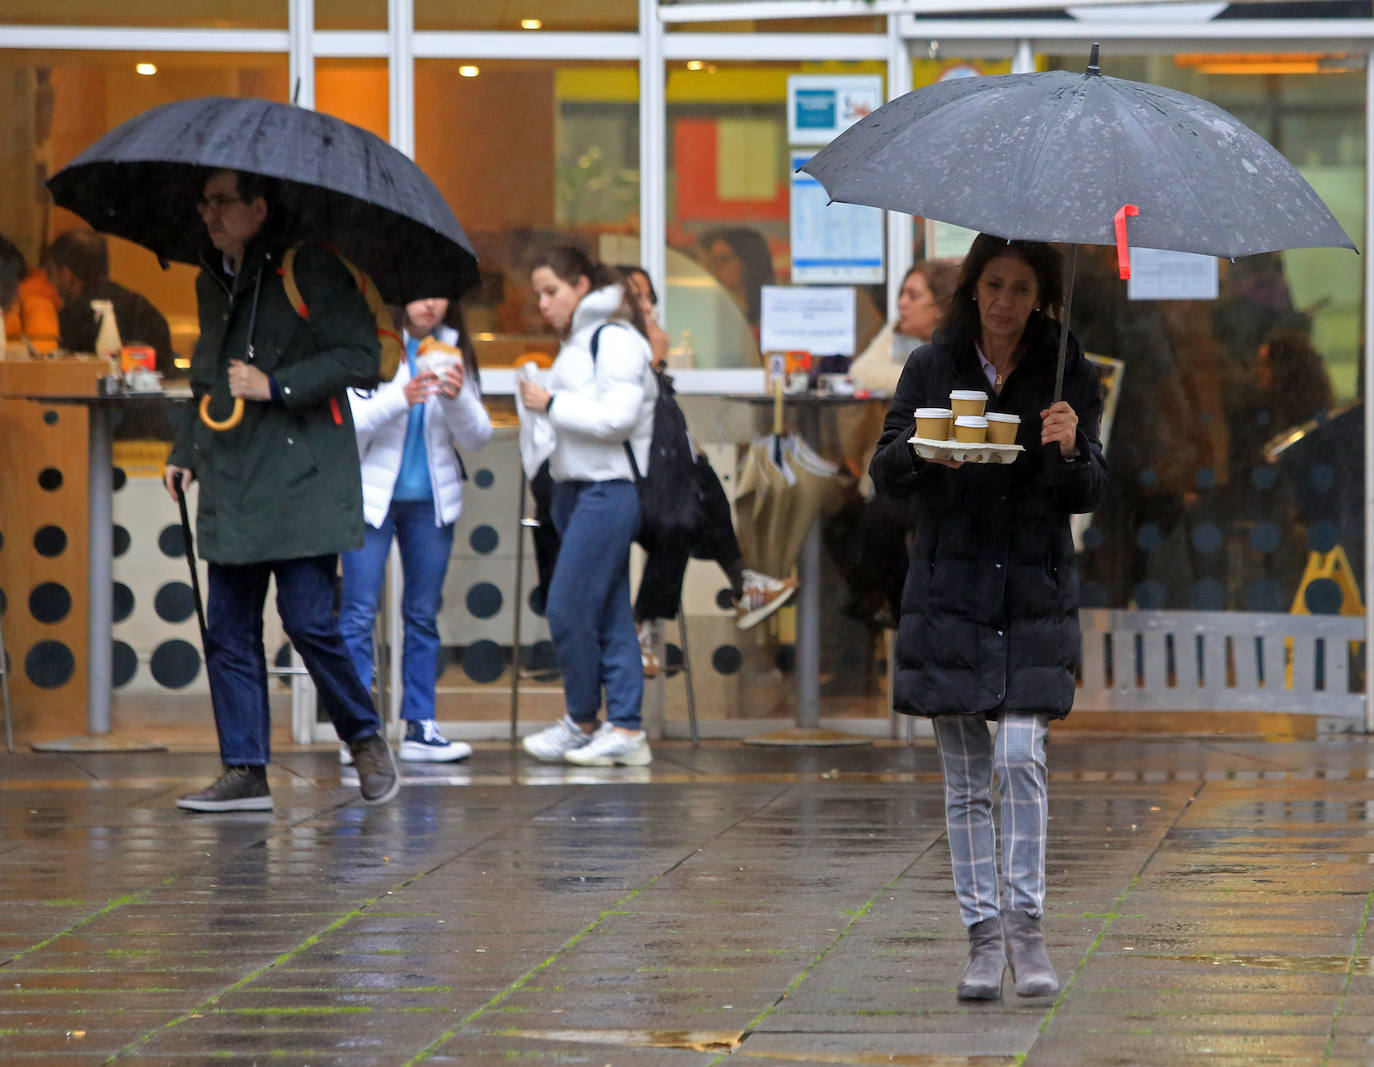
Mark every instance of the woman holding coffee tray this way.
pixel 989 619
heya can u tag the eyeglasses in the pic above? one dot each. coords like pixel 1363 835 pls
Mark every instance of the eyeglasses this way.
pixel 217 204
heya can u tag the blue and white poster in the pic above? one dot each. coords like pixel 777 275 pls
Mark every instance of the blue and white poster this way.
pixel 822 106
pixel 840 243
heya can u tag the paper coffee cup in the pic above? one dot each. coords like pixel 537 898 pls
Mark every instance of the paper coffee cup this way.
pixel 933 424
pixel 967 402
pixel 970 429
pixel 1002 427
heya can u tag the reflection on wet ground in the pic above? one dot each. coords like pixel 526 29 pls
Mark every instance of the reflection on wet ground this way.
pixel 1209 902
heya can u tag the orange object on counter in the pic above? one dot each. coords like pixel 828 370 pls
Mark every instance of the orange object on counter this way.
pixel 32 315
pixel 131 356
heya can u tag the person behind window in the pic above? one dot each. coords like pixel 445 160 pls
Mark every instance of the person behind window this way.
pixel 756 595
pixel 28 300
pixel 739 258
pixel 921 305
pixel 600 401
pixel 411 431
pixel 78 262
pixel 989 619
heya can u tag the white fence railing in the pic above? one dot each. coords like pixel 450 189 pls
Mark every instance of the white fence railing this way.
pixel 1221 661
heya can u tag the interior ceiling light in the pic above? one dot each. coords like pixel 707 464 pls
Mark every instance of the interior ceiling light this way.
pixel 530 24
pixel 146 69
pixel 468 71
pixel 695 64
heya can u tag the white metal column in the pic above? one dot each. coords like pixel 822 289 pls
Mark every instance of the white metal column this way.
pixel 1368 385
pixel 653 152
pixel 300 52
pixel 901 227
pixel 400 39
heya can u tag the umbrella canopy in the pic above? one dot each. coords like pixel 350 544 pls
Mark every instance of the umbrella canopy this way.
pixel 1054 156
pixel 340 184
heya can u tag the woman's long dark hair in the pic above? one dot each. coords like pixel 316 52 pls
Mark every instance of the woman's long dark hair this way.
pixel 570 264
pixel 1043 261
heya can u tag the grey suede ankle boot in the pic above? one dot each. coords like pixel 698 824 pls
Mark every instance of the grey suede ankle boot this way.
pixel 987 958
pixel 1026 955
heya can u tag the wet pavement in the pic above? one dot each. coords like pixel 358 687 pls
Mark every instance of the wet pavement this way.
pixel 1209 902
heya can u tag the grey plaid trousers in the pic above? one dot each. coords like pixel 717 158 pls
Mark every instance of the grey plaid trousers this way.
pixel 968 757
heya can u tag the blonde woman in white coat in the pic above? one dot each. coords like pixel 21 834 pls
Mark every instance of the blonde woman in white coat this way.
pixel 410 433
pixel 600 400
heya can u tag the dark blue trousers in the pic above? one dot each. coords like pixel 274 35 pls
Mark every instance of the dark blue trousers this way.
pixel 237 664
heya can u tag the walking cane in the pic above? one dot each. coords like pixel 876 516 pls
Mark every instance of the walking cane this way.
pixel 189 542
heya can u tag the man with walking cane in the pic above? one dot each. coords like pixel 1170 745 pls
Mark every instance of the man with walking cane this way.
pixel 280 490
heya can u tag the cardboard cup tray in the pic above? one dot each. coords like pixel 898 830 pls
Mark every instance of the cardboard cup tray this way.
pixel 965 453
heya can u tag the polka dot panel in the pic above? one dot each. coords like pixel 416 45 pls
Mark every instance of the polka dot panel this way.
pixel 51 417
pixel 49 664
pixel 484 661
pixel 171 541
pixel 121 540
pixel 50 602
pixel 50 479
pixel 726 659
pixel 484 539
pixel 123 664
pixel 175 663
pixel 484 478
pixel 50 541
pixel 124 602
pixel 484 600
pixel 175 602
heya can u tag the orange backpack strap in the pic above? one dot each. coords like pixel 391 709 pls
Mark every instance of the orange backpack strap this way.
pixel 393 347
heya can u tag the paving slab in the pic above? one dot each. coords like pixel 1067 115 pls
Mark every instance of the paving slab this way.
pixel 1209 901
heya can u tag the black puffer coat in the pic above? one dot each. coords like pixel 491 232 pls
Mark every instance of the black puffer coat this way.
pixel 990 608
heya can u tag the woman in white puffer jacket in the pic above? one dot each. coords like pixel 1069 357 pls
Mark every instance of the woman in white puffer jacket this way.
pixel 410 431
pixel 600 401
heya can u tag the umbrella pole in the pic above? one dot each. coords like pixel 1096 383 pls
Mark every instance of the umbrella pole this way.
pixel 1064 327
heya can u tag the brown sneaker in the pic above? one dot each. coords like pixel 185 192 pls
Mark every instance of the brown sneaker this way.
pixel 762 596
pixel 236 789
pixel 377 778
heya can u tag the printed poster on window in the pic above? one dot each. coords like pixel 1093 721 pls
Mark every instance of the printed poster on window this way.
pixel 822 106
pixel 840 243
pixel 815 319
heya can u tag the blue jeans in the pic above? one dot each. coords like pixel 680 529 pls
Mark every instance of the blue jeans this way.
pixel 590 618
pixel 425 550
pixel 237 665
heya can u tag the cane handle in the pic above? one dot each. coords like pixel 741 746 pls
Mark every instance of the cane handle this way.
pixel 235 416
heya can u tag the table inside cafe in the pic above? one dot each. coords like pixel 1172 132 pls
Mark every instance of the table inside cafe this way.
pixel 48 458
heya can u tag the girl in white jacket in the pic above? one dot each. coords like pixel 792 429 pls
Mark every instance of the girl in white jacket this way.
pixel 410 431
pixel 600 400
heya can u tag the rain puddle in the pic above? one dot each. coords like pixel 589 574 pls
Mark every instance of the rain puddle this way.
pixel 690 1040
pixel 1362 965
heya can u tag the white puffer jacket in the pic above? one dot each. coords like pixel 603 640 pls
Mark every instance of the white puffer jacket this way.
pixel 380 418
pixel 599 404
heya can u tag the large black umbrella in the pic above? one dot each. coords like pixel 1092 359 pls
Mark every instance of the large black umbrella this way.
pixel 1056 157
pixel 339 184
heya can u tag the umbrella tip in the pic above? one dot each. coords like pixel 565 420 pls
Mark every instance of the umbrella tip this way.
pixel 1093 68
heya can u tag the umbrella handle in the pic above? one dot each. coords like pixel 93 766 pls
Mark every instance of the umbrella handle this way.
pixel 235 416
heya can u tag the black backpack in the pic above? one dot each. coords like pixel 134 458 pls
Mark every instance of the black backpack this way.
pixel 670 507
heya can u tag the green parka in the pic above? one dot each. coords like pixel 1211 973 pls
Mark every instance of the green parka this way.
pixel 284 483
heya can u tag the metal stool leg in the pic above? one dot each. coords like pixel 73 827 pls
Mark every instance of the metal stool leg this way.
pixel 687 674
pixel 521 523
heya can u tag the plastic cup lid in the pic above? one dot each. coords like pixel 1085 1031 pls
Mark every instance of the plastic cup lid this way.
pixel 967 394
pixel 970 420
pixel 1002 416
pixel 933 413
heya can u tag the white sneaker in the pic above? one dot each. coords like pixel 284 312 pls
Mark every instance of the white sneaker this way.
pixel 424 743
pixel 552 743
pixel 345 755
pixel 761 597
pixel 610 747
pixel 648 655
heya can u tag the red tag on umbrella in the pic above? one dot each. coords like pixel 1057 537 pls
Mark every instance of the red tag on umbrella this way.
pixel 1123 250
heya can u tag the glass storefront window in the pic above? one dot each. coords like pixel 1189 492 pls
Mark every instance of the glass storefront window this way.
pixel 585 16
pixel 59 103
pixel 728 204
pixel 1235 449
pixel 245 14
pixel 529 153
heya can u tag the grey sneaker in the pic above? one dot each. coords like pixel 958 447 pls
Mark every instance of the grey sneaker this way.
pixel 552 743
pixel 377 778
pixel 236 789
pixel 610 747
